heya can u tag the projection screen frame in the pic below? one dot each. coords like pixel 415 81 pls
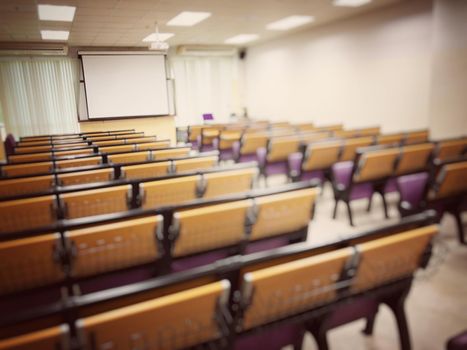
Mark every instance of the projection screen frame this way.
pixel 123 53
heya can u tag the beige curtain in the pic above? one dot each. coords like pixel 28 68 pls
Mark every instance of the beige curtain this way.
pixel 39 95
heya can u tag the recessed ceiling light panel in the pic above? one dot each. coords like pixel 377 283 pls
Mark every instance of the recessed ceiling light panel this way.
pixel 61 35
pixel 188 18
pixel 56 13
pixel 241 39
pixel 290 22
pixel 351 3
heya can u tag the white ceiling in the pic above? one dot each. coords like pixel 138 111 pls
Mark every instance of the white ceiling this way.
pixel 127 22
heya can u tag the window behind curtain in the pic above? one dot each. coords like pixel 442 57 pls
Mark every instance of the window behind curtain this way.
pixel 205 85
pixel 39 95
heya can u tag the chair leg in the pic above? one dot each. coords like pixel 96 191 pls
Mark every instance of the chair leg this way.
pixel 349 212
pixel 397 307
pixel 370 323
pixel 460 227
pixel 334 213
pixel 321 339
pixel 370 201
pixel 385 206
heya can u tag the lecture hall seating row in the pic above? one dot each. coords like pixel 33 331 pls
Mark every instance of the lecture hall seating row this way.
pixel 262 300
pixel 32 211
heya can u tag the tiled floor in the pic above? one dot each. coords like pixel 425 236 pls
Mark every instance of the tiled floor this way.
pixel 437 304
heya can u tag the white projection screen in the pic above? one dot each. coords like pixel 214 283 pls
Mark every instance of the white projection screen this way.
pixel 125 85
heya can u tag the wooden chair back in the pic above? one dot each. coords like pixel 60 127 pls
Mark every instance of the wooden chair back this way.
pixel 280 148
pixel 27 169
pixel 25 214
pixel 286 289
pixel 229 182
pixel 177 321
pixel 390 139
pixel 75 163
pixel 131 157
pixel 391 258
pixel 28 185
pixel 96 202
pixel 109 247
pixel 451 181
pixel 251 142
pixel 29 263
pixel 193 164
pixel 416 137
pixel 375 165
pixel 171 153
pixel 148 170
pixel 321 155
pixel 117 149
pixel 167 192
pixel 451 149
pixel 414 158
pixel 85 177
pixel 209 227
pixel 350 146
pixel 283 213
pixel 30 157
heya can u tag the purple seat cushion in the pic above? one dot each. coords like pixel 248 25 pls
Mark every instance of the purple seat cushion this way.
pixel 458 342
pixel 244 158
pixel 313 175
pixel 295 163
pixel 276 168
pixel 273 339
pixel 272 243
pixel 198 260
pixel 391 186
pixel 412 188
pixel 358 308
pixel 342 173
pixel 359 191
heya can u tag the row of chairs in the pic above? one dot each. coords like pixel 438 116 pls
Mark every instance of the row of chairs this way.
pixel 44 167
pixel 86 151
pixel 33 184
pixel 116 141
pixel 263 300
pixel 96 199
pixel 172 239
pixel 74 135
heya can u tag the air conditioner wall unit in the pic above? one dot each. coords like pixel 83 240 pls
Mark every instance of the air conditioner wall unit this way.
pixel 206 50
pixel 33 49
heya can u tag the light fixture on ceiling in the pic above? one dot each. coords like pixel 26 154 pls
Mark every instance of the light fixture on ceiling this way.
pixel 156 40
pixel 188 18
pixel 290 22
pixel 56 13
pixel 351 3
pixel 61 35
pixel 242 39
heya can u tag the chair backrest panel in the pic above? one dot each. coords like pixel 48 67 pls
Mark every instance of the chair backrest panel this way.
pixel 95 202
pixel 280 148
pixel 148 170
pixel 109 247
pixel 14 187
pixel 209 227
pixel 29 263
pixel 451 180
pixel 376 164
pixel 176 321
pixel 451 149
pixel 167 192
pixel 24 214
pixel 31 157
pixel 350 146
pixel 229 182
pixel 283 213
pixel 72 163
pixel 251 142
pixel 32 149
pixel 54 338
pixel 390 139
pixel 27 169
pixel 416 137
pixel 171 153
pixel 286 289
pixel 391 258
pixel 78 152
pixel 195 164
pixel 321 156
pixel 132 157
pixel 85 177
pixel 117 149
pixel 153 145
pixel 414 158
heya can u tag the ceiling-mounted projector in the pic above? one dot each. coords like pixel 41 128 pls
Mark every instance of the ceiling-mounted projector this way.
pixel 159 46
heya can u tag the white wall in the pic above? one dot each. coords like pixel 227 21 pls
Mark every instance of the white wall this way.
pixel 448 115
pixel 373 69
